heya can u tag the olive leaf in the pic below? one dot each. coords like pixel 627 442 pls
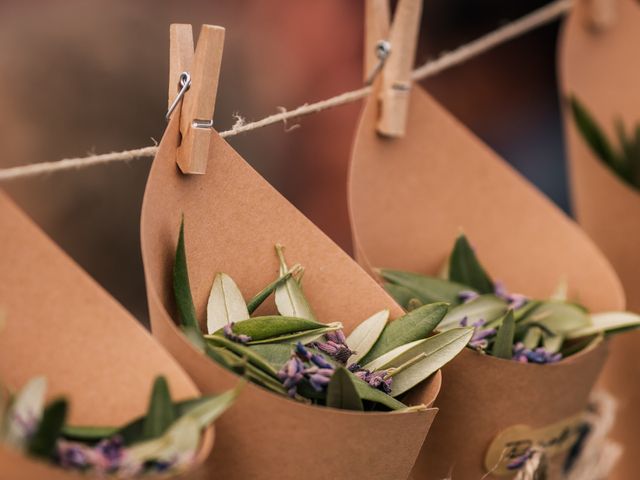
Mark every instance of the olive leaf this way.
pixel 366 334
pixel 552 343
pixel 28 403
pixel 43 442
pixel 425 288
pixel 263 294
pixel 559 317
pixel 371 394
pixel 290 301
pixel 273 327
pixel 275 354
pixel 402 295
pixel 415 325
pixel 465 268
pixel 226 304
pixel 485 307
pixel 181 287
pixel 422 358
pixel 503 343
pixel 607 323
pixel 532 337
pixel 242 351
pixel 160 413
pixel 341 391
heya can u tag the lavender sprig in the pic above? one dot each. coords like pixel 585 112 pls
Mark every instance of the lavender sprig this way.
pixel 234 337
pixel 480 338
pixel 305 365
pixel 538 355
pixel 336 346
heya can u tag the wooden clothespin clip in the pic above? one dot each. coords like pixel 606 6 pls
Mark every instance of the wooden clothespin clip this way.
pixel 199 97
pixel 395 86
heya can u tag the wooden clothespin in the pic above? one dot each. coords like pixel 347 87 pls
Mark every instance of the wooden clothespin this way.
pixel 395 86
pixel 197 105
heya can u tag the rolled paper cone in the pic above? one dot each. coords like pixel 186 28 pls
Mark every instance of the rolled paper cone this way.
pixel 601 70
pixel 60 324
pixel 233 218
pixel 408 199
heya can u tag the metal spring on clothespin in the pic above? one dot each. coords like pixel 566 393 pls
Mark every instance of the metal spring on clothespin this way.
pixel 183 86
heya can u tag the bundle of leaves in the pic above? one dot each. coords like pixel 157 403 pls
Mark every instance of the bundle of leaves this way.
pixel 165 439
pixel 506 325
pixel 294 354
pixel 623 160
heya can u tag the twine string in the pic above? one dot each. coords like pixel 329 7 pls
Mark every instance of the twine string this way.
pixel 447 60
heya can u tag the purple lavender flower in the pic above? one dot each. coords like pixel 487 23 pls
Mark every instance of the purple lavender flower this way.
pixel 467 295
pixel 112 451
pixel 336 346
pixel 515 300
pixel 480 337
pixel 318 373
pixel 291 374
pixel 72 455
pixel 234 337
pixel 377 379
pixel 539 355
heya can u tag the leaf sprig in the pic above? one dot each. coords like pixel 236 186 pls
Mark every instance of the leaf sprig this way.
pixel 508 326
pixel 293 353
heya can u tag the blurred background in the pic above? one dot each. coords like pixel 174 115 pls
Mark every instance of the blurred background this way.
pixel 79 77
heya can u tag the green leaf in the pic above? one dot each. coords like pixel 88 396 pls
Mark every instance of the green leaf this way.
pixel 415 325
pixel 273 326
pixel 532 337
pixel 28 403
pixel 263 294
pixel 366 334
pixel 88 434
pixel 607 323
pixel 250 354
pixel 195 336
pixel 226 304
pixel 43 442
pixel 275 354
pixel 552 343
pixel 591 132
pixel 402 295
pixel 290 300
pixel 465 268
pixel 181 287
pixel 485 307
pixel 371 394
pixel 341 391
pixel 306 337
pixel 559 317
pixel 437 352
pixel 425 288
pixel 160 414
pixel 503 344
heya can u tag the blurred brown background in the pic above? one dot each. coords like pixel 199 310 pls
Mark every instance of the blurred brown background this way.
pixel 90 76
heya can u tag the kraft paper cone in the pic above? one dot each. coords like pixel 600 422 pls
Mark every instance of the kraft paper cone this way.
pixel 233 218
pixel 409 198
pixel 59 323
pixel 601 69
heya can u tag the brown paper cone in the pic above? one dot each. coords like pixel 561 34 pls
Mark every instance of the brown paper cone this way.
pixel 59 323
pixel 602 70
pixel 233 219
pixel 409 198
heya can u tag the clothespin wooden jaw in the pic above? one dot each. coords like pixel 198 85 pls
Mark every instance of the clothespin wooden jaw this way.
pixel 395 86
pixel 197 106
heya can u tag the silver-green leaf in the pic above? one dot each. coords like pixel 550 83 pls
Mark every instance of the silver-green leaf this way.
pixel 226 304
pixel 366 334
pixel 608 323
pixel 290 300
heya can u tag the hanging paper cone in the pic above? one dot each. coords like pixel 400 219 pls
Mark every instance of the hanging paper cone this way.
pixel 60 324
pixel 409 198
pixel 233 218
pixel 601 69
